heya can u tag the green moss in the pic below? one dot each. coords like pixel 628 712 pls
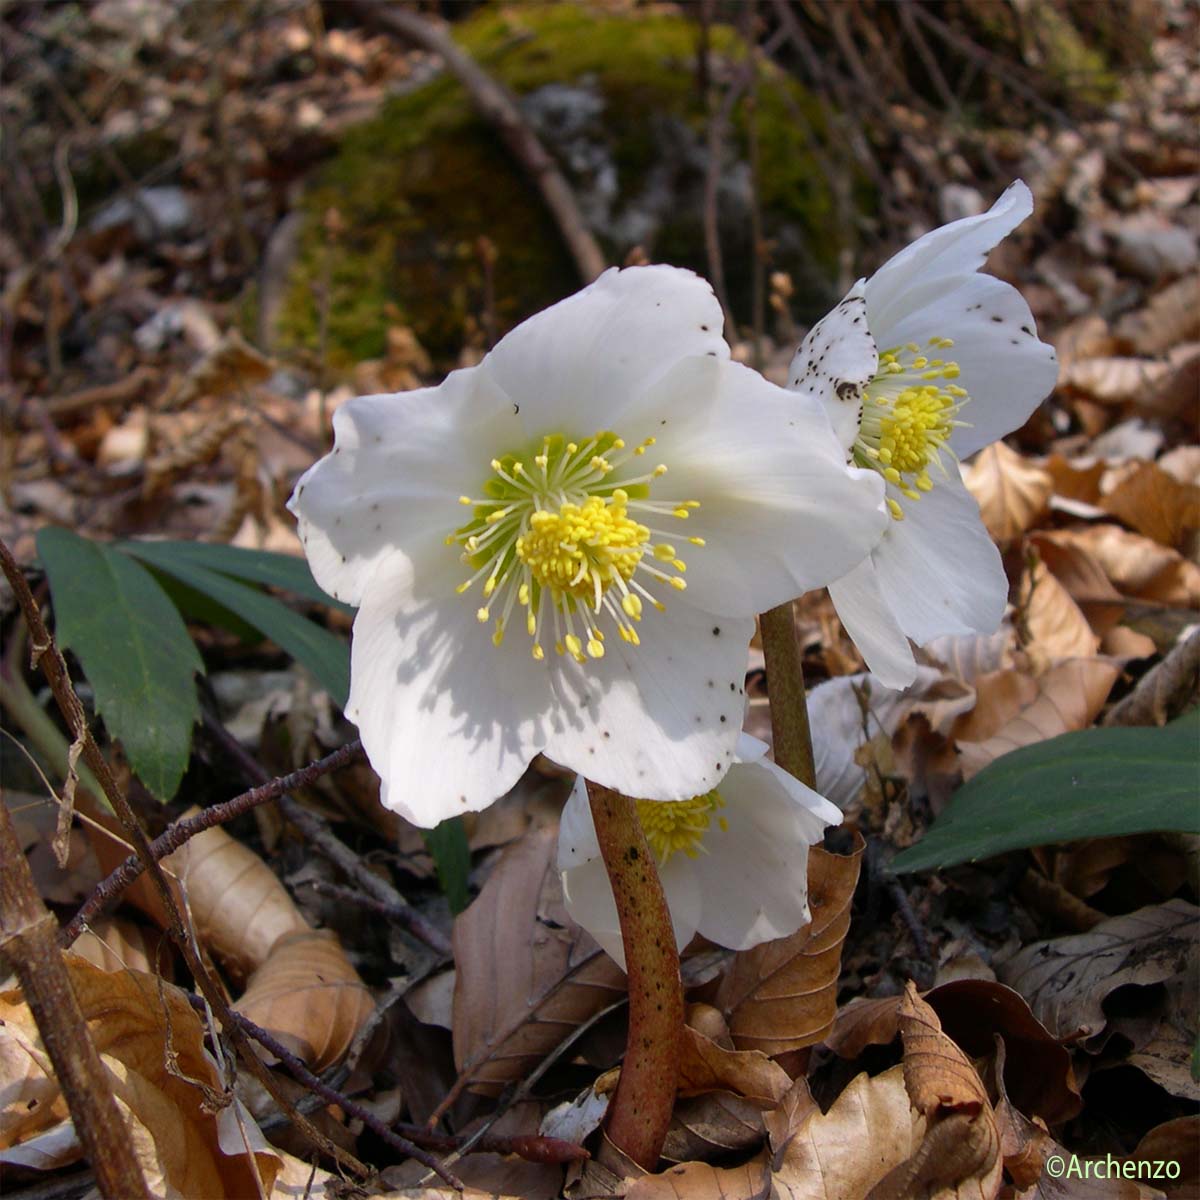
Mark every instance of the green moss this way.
pixel 418 186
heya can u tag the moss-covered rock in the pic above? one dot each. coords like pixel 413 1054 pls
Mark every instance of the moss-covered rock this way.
pixel 614 96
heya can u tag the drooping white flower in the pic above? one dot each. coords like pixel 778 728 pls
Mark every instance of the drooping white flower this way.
pixel 733 862
pixel 516 539
pixel 925 363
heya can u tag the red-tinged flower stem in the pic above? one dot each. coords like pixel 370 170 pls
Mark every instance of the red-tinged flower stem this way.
pixel 640 1112
pixel 790 733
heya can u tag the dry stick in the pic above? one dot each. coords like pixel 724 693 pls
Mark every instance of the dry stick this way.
pixel 108 891
pixel 497 107
pixel 27 938
pixel 55 669
pixel 790 734
pixel 317 831
pixel 640 1112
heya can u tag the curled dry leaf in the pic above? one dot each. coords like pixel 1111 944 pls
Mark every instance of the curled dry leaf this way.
pixel 1113 380
pixel 1076 480
pixel 1069 695
pixel 707 1067
pixel 1156 504
pixel 1138 566
pixel 782 995
pixel 1171 317
pixel 527 975
pixel 1067 979
pixel 115 944
pixel 1055 627
pixel 1084 580
pixel 239 908
pixel 715 1125
pixel 309 996
pixel 1010 490
pixel 699 1181
pixel 189 1138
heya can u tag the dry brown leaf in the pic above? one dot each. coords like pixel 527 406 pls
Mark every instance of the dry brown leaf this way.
pixel 715 1125
pixel 239 907
pixel 1055 627
pixel 1075 481
pixel 30 1101
pixel 1011 491
pixel 960 1152
pixel 869 1129
pixel 1067 979
pixel 707 1067
pixel 1081 574
pixel 782 995
pixel 153 1042
pixel 1182 463
pixel 1069 696
pixel 1174 1141
pixel 797 1107
pixel 1136 565
pixel 1156 504
pixel 999 697
pixel 699 1181
pixel 1171 317
pixel 309 996
pixel 1167 1056
pixel 1085 337
pixel 114 944
pixel 527 975
pixel 1114 380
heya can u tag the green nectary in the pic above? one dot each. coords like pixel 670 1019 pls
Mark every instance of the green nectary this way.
pixel 417 186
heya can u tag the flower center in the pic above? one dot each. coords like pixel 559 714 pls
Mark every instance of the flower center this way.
pixel 679 826
pixel 560 529
pixel 909 411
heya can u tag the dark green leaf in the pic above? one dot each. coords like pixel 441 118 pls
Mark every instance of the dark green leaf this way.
pixel 324 654
pixel 447 845
pixel 134 649
pixel 252 566
pixel 1094 783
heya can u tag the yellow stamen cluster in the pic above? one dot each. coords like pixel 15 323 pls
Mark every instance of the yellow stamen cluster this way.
pixel 679 826
pixel 561 533
pixel 908 417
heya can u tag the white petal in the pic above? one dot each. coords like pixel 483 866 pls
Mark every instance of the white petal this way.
pixel 754 878
pixel 576 833
pixel 589 899
pixel 780 511
pixel 863 610
pixel 836 361
pixel 938 568
pixel 448 721
pixel 955 249
pixel 1006 369
pixel 657 721
pixel 750 749
pixel 575 366
pixel 392 481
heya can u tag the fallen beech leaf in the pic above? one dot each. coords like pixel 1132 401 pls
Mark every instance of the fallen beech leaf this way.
pixel 870 1129
pixel 960 1151
pixel 1138 566
pixel 782 995
pixel 1074 481
pixel 1174 1141
pixel 1084 580
pixel 1167 1056
pixel 153 1043
pixel 1156 504
pixel 707 1067
pixel 1069 696
pixel 715 1125
pixel 526 974
pixel 1055 627
pixel 1067 979
pixel 1010 490
pixel 699 1181
pixel 1171 317
pixel 240 909
pixel 1113 380
pixel 309 996
pixel 999 697
pixel 115 944
pixel 30 1101
pixel 793 1111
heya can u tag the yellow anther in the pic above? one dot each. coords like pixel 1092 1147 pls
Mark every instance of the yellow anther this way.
pixel 523 594
pixel 482 615
pixel 595 648
pixel 498 636
pixel 895 509
pixel 696 541
pixel 664 552
pixel 679 826
pixel 632 606
pixel 465 500
pixel 538 653
pixel 574 645
pixel 678 584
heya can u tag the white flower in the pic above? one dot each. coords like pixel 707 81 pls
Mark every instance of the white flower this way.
pixel 927 362
pixel 516 539
pixel 733 862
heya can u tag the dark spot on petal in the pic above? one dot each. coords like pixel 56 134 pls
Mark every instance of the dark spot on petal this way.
pixel 998 320
pixel 716 631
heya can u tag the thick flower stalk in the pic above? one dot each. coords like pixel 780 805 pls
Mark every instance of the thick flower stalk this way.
pixel 733 862
pixel 925 363
pixel 562 549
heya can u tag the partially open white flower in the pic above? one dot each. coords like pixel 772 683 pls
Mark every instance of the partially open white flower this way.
pixel 733 862
pixel 516 541
pixel 927 362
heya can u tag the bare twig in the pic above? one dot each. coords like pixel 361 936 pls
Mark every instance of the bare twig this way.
pixel 497 107
pixel 109 890
pixel 27 938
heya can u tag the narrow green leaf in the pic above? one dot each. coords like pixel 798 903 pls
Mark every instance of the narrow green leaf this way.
pixel 1094 783
pixel 134 649
pixel 324 654
pixel 447 846
pixel 251 566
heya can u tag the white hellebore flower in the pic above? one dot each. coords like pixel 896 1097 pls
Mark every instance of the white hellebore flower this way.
pixel 924 363
pixel 515 541
pixel 733 862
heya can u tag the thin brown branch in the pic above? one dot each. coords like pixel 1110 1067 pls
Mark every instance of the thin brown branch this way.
pixel 498 108
pixel 27 939
pixel 109 890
